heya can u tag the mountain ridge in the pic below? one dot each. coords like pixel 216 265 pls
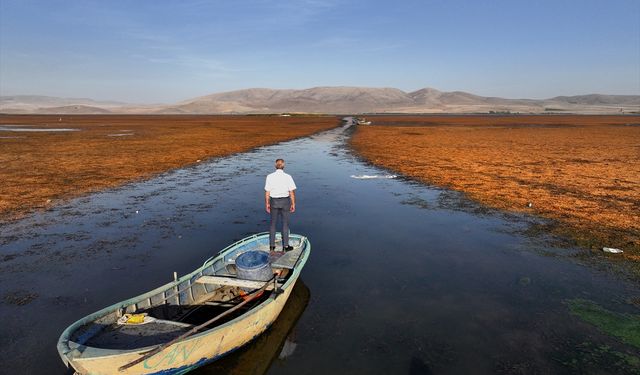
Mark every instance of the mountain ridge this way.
pixel 331 100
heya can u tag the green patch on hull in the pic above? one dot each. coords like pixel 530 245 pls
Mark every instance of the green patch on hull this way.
pixel 623 326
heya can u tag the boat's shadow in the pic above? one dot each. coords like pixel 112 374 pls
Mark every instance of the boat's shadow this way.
pixel 278 341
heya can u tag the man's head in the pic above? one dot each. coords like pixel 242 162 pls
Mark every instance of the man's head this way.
pixel 279 163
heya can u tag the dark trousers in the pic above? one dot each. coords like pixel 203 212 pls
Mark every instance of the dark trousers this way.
pixel 279 207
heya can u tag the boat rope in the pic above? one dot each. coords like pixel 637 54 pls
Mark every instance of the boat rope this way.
pixel 195 329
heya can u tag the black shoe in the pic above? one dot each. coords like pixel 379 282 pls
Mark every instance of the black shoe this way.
pixel 287 248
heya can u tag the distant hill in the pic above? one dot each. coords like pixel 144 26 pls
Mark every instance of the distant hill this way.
pixel 37 103
pixel 597 99
pixel 385 100
pixel 334 100
pixel 74 110
pixel 315 100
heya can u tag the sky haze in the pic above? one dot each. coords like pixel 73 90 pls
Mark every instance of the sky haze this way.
pixel 168 51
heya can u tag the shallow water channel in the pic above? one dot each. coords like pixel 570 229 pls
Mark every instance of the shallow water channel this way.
pixel 403 278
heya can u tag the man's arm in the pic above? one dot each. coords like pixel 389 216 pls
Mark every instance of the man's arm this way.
pixel 292 195
pixel 267 205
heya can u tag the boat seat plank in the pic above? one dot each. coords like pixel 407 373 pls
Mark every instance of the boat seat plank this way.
pixel 229 281
pixel 288 260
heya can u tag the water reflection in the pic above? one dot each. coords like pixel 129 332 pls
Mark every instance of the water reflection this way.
pixel 277 343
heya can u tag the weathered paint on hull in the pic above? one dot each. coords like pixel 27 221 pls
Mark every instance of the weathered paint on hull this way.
pixel 194 351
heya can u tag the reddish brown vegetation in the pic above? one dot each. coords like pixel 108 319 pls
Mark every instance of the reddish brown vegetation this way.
pixel 37 169
pixel 582 171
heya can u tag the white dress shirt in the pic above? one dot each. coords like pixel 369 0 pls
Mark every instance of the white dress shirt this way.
pixel 279 184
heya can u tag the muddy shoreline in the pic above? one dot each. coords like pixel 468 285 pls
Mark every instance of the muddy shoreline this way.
pixel 555 240
pixel 49 159
pixel 548 166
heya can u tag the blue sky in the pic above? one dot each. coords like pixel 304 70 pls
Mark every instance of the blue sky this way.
pixel 166 51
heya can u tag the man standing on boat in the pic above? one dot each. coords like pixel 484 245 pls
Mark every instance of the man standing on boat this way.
pixel 280 200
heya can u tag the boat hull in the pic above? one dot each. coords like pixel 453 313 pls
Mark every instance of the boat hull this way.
pixel 192 352
pixel 195 350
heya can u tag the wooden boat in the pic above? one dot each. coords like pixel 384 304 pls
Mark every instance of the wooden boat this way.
pixel 193 320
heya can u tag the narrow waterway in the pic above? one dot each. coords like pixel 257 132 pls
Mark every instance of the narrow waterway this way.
pixel 403 278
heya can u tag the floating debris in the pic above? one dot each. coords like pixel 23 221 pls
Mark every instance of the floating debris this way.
pixel 370 177
pixel 612 250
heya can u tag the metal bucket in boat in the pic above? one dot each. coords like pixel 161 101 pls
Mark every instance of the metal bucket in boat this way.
pixel 254 265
